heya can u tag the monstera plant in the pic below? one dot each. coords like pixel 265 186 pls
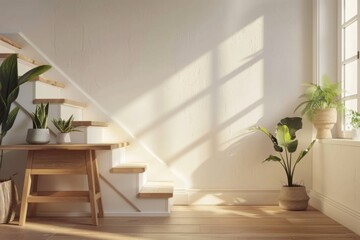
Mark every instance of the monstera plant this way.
pixel 10 83
pixel 285 145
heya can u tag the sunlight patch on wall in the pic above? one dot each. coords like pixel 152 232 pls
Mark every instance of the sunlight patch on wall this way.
pixel 242 47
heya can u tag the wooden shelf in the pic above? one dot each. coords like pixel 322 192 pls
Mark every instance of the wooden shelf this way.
pixel 89 124
pixel 60 196
pixel 157 190
pixel 98 146
pixel 60 101
pixel 50 82
pixel 10 42
pixel 23 58
pixel 130 168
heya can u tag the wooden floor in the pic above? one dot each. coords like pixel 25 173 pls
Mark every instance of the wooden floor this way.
pixel 190 222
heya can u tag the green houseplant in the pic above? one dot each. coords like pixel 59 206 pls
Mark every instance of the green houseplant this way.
pixel 285 145
pixel 10 83
pixel 321 104
pixel 64 127
pixel 39 134
pixel 355 123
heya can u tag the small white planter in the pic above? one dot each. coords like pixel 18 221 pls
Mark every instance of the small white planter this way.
pixel 62 138
pixel 38 136
pixel 356 134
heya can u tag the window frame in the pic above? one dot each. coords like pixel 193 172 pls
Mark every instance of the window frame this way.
pixel 342 132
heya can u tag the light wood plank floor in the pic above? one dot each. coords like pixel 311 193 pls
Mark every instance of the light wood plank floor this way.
pixel 188 222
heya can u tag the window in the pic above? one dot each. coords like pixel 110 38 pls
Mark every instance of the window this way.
pixel 349 56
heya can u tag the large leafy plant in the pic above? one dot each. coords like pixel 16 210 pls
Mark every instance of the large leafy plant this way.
pixel 10 83
pixel 326 95
pixel 285 144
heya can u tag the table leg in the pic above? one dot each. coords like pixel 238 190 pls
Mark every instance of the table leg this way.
pixel 33 206
pixel 26 189
pixel 91 183
pixel 97 184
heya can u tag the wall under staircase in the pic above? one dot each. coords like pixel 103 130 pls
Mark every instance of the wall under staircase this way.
pixel 126 188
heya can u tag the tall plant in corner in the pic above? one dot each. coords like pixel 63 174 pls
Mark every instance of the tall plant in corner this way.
pixel 10 83
pixel 285 144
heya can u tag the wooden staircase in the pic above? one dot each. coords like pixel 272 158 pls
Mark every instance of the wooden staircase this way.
pixel 50 91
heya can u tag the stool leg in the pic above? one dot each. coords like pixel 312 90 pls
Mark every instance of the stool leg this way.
pixel 97 184
pixel 91 183
pixel 26 189
pixel 33 206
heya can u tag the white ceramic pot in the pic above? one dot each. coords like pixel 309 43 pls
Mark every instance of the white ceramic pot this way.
pixel 356 134
pixel 293 198
pixel 324 121
pixel 38 136
pixel 62 138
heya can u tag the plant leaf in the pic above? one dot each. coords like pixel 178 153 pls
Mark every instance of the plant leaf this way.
pixel 272 158
pixel 304 152
pixel 294 124
pixel 33 73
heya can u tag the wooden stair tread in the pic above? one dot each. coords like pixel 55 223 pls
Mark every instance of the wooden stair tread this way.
pixel 50 82
pixel 59 101
pixel 157 190
pixel 89 124
pixel 22 57
pixel 10 42
pixel 130 168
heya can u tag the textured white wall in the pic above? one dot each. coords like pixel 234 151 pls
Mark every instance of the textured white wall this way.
pixel 187 78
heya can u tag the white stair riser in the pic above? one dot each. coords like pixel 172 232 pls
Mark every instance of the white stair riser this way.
pixel 64 111
pixel 88 135
pixel 5 49
pixel 43 90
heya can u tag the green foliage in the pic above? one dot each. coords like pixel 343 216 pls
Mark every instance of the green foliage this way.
pixel 64 126
pixel 40 116
pixel 354 119
pixel 10 84
pixel 320 97
pixel 285 143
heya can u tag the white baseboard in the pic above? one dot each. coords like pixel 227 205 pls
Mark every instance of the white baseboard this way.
pixel 346 216
pixel 225 197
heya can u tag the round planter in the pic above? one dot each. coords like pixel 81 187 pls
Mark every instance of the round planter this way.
pixel 293 198
pixel 324 121
pixel 62 138
pixel 38 136
pixel 8 201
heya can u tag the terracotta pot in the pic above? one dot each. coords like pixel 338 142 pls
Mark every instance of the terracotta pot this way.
pixel 8 201
pixel 293 198
pixel 62 138
pixel 38 136
pixel 324 121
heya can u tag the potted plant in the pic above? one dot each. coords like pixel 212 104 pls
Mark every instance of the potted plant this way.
pixel 64 127
pixel 292 196
pixel 355 124
pixel 10 83
pixel 321 105
pixel 39 134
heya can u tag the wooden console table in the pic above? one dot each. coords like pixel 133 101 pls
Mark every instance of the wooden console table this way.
pixel 61 159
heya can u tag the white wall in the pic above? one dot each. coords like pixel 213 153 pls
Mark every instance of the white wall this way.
pixel 186 78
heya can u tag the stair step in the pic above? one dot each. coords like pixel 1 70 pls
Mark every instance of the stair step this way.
pixel 50 82
pixel 21 57
pixel 10 42
pixel 157 190
pixel 60 101
pixel 129 168
pixel 89 124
